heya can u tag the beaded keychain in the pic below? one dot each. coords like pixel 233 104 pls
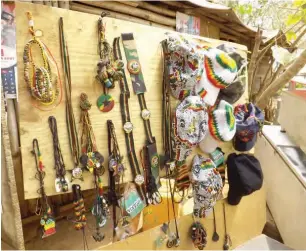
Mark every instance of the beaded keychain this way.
pixel 198 235
pixel 108 72
pixel 40 81
pixel 47 221
pixel 79 212
pixel 91 159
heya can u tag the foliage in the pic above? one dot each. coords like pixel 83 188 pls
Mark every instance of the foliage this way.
pixel 269 14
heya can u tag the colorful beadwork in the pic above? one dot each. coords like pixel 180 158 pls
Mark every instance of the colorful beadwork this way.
pixel 43 84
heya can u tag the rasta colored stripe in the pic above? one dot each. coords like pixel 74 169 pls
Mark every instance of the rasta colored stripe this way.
pixel 226 62
pixel 213 127
pixel 207 164
pixel 212 77
pixel 230 118
pixel 183 94
pixel 202 93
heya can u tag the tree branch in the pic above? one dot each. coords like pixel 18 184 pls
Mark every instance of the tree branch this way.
pixel 283 79
pixel 252 64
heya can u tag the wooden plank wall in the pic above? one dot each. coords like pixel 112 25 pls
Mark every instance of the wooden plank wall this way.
pixel 81 34
pixel 59 201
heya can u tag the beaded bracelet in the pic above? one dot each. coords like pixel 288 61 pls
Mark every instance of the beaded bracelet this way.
pixel 40 79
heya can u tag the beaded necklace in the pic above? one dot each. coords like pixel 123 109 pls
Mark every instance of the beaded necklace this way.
pixel 61 184
pixel 44 85
pixel 47 221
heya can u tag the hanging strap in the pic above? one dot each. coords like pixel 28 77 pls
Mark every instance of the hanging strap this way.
pixel 70 120
pixel 134 68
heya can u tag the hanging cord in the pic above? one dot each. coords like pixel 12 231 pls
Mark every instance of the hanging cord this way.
pixel 175 241
pixel 152 194
pixel 116 170
pixel 47 221
pixel 59 164
pixel 70 120
pixel 43 89
pixel 88 141
pixel 40 175
pixel 91 158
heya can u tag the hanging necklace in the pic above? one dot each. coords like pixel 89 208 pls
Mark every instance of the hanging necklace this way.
pixel 47 221
pixel 91 159
pixel 116 170
pixel 61 183
pixel 100 208
pixel 44 85
pixel 108 72
pixel 76 172
pixel 173 238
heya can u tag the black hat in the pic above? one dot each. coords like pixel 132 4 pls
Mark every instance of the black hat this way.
pixel 244 176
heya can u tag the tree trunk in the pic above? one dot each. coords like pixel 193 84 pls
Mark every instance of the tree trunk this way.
pixel 283 79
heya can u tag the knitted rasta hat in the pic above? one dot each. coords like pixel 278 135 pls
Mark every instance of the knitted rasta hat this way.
pixel 220 71
pixel 185 66
pixel 207 185
pixel 190 123
pixel 221 124
pixel 233 93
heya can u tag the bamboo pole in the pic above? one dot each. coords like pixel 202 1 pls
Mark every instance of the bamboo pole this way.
pixel 38 1
pixel 63 4
pixel 54 3
pixel 178 5
pixel 156 9
pixel 98 11
pixel 129 3
pixel 48 2
pixel 143 14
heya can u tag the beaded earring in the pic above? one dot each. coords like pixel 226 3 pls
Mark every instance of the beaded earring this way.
pixel 44 85
pixel 108 72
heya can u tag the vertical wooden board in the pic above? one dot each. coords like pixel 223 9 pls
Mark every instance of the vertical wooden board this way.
pixel 81 36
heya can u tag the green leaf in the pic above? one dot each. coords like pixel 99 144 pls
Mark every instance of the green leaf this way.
pixel 291 36
pixel 293 19
pixel 299 3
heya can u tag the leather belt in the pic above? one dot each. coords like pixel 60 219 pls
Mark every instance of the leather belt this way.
pixel 127 124
pixel 139 87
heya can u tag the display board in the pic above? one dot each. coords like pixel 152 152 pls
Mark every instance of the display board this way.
pixel 82 38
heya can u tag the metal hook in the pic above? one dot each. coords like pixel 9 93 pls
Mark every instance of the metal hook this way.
pixel 104 14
